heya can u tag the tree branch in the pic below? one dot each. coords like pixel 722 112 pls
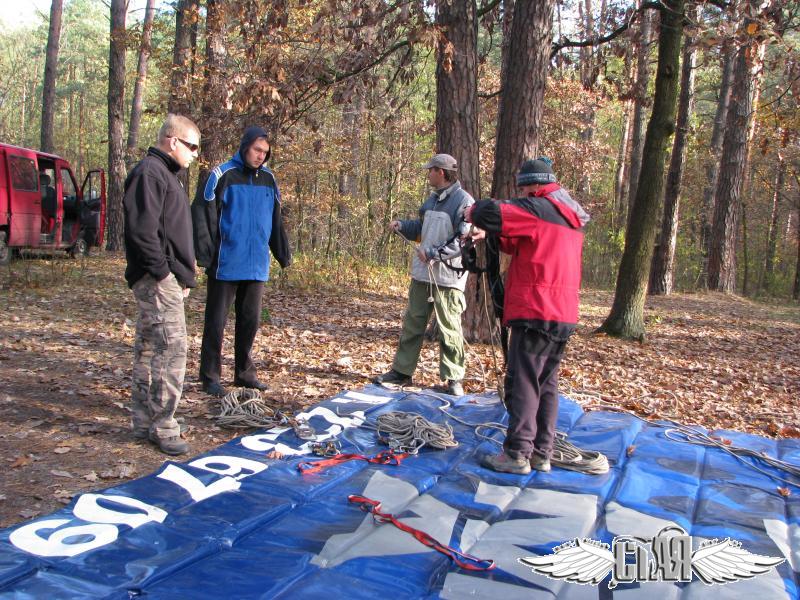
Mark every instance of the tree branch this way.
pixel 487 7
pixel 337 77
pixel 596 41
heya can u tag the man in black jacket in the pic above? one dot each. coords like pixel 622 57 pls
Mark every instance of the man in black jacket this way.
pixel 161 266
pixel 237 223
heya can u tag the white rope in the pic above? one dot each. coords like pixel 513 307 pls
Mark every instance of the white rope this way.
pixel 410 432
pixel 244 408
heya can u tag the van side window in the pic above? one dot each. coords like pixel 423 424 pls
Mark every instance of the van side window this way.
pixel 24 176
pixel 67 184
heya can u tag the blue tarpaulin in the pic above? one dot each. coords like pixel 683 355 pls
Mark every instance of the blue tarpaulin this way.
pixel 234 523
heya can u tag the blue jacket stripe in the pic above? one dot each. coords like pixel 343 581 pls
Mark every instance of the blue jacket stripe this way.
pixel 213 179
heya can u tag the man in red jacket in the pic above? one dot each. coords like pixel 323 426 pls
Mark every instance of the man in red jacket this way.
pixel 543 233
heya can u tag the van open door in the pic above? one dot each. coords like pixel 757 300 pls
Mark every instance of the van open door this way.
pixel 93 210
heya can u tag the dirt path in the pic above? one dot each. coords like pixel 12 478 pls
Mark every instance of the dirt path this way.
pixel 66 337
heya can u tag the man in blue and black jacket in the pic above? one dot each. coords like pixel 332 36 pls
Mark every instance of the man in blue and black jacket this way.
pixel 237 222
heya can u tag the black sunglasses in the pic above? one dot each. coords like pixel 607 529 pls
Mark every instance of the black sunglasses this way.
pixel 192 147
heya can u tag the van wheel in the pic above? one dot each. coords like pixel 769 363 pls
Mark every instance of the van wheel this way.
pixel 5 251
pixel 79 248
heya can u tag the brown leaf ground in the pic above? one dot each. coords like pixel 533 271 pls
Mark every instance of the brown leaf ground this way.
pixel 66 336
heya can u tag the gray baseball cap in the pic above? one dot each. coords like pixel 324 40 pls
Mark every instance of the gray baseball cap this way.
pixel 442 161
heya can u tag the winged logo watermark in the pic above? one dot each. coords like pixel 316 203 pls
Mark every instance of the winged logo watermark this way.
pixel 666 557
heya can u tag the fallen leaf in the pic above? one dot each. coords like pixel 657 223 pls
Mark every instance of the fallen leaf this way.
pixel 62 449
pixel 630 450
pixel 28 513
pixel 789 432
pixel 785 492
pixel 90 476
pixel 20 462
pixel 61 474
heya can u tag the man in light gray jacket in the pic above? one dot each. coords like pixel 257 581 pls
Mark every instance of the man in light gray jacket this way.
pixel 436 288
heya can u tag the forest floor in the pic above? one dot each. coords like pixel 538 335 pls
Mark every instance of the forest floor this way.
pixel 66 339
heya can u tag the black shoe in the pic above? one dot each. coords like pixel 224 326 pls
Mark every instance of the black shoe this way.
pixel 393 377
pixel 253 385
pixel 214 388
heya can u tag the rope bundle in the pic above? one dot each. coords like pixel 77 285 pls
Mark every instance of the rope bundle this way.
pixel 569 456
pixel 244 408
pixel 409 432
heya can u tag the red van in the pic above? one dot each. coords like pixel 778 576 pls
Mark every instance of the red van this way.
pixel 42 207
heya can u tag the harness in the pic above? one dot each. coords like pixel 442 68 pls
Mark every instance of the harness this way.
pixel 469 261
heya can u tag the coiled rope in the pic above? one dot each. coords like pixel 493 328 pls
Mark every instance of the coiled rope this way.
pixel 244 408
pixel 410 432
pixel 565 454
pixel 687 434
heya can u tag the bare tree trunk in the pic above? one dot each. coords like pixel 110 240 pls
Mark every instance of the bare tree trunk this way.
pixel 116 125
pixel 618 218
pixel 772 235
pixel 639 105
pixel 180 90
pixel 745 257
pixel 216 136
pixel 82 127
pixel 620 187
pixel 457 123
pixel 141 79
pixel 627 313
pixel 796 287
pixel 181 96
pixel 661 271
pixel 735 150
pixel 527 26
pixel 457 88
pixel 73 137
pixel 352 115
pixel 50 66
pixel 715 150
pixel 522 100
pixel 589 74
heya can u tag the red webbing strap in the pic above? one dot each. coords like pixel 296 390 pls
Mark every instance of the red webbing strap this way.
pixel 465 561
pixel 387 457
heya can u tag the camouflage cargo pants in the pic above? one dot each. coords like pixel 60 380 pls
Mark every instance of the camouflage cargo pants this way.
pixel 159 357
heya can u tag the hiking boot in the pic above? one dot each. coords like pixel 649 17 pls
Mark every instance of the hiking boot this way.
pixel 173 445
pixel 503 463
pixel 143 433
pixel 253 385
pixel 540 463
pixel 393 377
pixel 214 388
pixel 454 387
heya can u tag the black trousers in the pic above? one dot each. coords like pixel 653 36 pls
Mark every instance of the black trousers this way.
pixel 531 388
pixel 221 295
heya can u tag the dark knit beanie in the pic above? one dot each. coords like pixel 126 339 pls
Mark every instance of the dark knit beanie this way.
pixel 536 171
